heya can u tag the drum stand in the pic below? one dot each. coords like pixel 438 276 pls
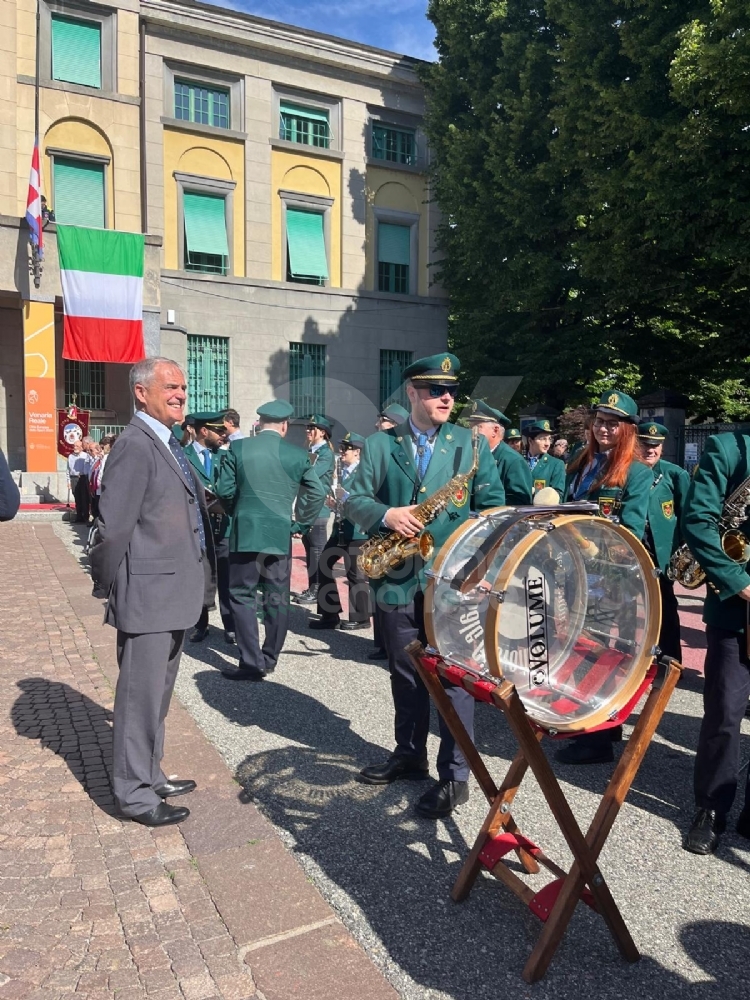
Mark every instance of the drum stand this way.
pixel 555 903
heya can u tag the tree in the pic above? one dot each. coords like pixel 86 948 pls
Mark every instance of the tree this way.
pixel 593 178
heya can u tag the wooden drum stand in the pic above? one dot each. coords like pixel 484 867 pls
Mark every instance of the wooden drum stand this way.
pixel 555 903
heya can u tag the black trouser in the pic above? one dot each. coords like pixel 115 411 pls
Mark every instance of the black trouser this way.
pixel 82 498
pixel 400 625
pixel 314 542
pixel 259 584
pixel 222 583
pixel 669 636
pixel 377 636
pixel 329 602
pixel 94 505
pixel 726 688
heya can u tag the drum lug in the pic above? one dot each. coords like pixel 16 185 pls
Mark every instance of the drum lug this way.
pixel 656 572
pixel 541 525
pixel 499 595
pixel 431 574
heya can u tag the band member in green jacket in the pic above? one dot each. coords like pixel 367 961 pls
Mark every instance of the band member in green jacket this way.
pixel 665 506
pixel 399 469
pixel 260 480
pixel 609 471
pixel 545 470
pixel 514 439
pixel 724 468
pixel 512 468
pixel 322 458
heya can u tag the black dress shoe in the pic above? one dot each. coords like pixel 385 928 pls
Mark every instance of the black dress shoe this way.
pixel 230 638
pixel 199 634
pixel 703 835
pixel 324 622
pixel 353 626
pixel 394 768
pixel 245 675
pixel 377 654
pixel 743 823
pixel 443 798
pixel 162 815
pixel 309 596
pixel 590 748
pixel 172 788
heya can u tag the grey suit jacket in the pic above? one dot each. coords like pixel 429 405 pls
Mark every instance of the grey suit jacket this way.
pixel 147 557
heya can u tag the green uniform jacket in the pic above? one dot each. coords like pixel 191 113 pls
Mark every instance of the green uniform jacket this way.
pixel 349 530
pixel 515 475
pixel 629 504
pixel 724 464
pixel 220 523
pixel 665 505
pixel 386 477
pixel 259 481
pixel 324 462
pixel 549 471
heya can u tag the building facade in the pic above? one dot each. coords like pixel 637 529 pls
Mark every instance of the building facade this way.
pixel 280 177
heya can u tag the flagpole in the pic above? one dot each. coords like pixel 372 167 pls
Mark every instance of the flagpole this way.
pixel 36 256
pixel 36 73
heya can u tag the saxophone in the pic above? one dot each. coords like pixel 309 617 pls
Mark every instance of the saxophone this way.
pixel 683 566
pixel 386 552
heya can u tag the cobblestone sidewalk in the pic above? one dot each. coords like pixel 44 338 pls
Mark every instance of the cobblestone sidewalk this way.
pixel 95 908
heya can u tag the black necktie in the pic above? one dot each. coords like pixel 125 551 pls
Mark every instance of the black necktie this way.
pixel 179 454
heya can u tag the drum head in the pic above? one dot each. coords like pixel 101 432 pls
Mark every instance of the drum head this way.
pixel 571 622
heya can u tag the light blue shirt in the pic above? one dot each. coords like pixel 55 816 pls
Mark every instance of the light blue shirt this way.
pixel 161 430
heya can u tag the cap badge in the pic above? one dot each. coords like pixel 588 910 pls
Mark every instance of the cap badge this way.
pixel 614 399
pixel 474 406
pixel 545 425
pixel 446 365
pixel 653 430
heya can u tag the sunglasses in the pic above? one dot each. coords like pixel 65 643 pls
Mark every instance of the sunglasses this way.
pixel 436 391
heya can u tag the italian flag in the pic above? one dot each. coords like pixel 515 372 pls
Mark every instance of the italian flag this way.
pixel 102 281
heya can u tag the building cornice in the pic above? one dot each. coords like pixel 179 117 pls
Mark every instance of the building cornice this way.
pixel 285 40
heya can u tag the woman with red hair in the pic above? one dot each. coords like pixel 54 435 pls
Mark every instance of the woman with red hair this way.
pixel 609 471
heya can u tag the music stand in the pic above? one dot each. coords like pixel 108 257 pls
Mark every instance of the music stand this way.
pixel 499 835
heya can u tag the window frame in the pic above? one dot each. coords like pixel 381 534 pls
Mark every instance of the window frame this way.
pixel 196 184
pixel 391 217
pixel 68 154
pixel 318 405
pixel 393 397
pixel 402 122
pixel 210 90
pixel 316 102
pixel 306 203
pixel 68 397
pixel 404 130
pixel 74 10
pixel 228 346
pixel 202 76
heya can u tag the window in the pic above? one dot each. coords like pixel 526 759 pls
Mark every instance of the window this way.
pixel 392 366
pixel 306 247
pixel 208 373
pixel 196 103
pixel 206 244
pixel 307 378
pixel 84 384
pixel 310 126
pixel 76 51
pixel 78 196
pixel 394 254
pixel 397 145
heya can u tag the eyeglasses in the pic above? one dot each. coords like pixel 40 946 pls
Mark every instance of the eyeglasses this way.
pixel 611 425
pixel 436 391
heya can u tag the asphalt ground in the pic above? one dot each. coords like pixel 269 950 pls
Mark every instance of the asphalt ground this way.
pixel 296 743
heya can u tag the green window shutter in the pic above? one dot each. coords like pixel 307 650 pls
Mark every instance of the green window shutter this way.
pixel 298 111
pixel 79 193
pixel 394 244
pixel 205 224
pixel 306 244
pixel 76 51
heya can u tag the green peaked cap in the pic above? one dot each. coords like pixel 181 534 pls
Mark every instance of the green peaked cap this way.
pixel 513 434
pixel 479 411
pixel 277 409
pixel 651 431
pixel 395 412
pixel 539 427
pixel 438 369
pixel 356 440
pixel 618 405
pixel 205 417
pixel 319 420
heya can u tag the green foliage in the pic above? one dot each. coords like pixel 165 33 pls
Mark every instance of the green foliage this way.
pixel 591 162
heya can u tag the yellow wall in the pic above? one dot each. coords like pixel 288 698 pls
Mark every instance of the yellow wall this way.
pixel 305 174
pixel 78 137
pixel 400 192
pixel 220 159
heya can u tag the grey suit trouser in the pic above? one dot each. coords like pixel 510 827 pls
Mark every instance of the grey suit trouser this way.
pixel 148 669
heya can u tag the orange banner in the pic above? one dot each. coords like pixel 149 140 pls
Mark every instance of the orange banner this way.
pixel 39 386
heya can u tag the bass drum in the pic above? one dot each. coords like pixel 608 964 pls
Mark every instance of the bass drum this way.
pixel 564 606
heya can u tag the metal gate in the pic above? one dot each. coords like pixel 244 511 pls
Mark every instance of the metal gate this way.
pixel 694 437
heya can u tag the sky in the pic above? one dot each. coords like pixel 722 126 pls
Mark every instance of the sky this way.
pixel 398 25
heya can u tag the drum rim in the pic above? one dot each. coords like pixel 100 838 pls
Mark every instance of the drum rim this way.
pixel 439 560
pixel 653 626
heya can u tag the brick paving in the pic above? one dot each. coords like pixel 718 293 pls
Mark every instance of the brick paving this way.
pixel 94 908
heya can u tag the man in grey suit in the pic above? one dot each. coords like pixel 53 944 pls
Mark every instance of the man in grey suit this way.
pixel 150 559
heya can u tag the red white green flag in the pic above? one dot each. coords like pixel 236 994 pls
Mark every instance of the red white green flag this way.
pixel 102 281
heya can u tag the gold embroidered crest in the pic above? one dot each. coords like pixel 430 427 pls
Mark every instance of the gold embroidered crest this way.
pixel 607 506
pixel 545 425
pixel 653 430
pixel 614 399
pixel 667 507
pixel 460 496
pixel 446 365
pixel 539 484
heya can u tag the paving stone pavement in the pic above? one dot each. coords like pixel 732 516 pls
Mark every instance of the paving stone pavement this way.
pixel 95 908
